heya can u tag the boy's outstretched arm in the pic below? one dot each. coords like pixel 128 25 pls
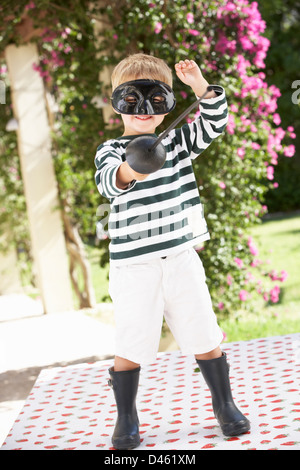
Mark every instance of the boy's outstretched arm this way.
pixel 190 74
pixel 126 174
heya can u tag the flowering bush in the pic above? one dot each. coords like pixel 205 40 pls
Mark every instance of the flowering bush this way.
pixel 226 39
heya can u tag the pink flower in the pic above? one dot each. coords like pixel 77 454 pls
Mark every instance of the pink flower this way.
pixel 266 296
pixel 224 44
pixel 194 32
pixel 230 6
pixel 276 277
pixel 246 43
pixel 243 295
pixel 274 294
pixel 270 172
pixel 239 262
pixel 229 279
pixel 242 65
pixel 273 275
pixel 220 305
pixel 283 276
pixel 275 91
pixel 264 208
pixel 276 119
pixel 253 249
pixel 30 6
pixel 289 151
pixel 3 69
pixel 241 152
pixel 255 146
pixel 255 263
pixel 158 27
pixel 231 124
pixel 190 18
pixel 222 185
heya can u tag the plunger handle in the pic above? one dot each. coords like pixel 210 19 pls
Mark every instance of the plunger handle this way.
pixel 179 118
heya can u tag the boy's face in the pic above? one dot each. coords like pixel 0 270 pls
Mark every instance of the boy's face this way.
pixel 145 105
pixel 141 124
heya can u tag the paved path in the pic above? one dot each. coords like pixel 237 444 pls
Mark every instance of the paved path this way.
pixel 31 341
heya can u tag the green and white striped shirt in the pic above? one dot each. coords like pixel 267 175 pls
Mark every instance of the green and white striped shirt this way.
pixel 161 215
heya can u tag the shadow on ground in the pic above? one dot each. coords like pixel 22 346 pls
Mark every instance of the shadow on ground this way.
pixel 17 384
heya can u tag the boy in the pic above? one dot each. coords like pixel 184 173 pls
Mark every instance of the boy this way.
pixel 155 222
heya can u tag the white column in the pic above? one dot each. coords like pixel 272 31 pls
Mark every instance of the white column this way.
pixel 40 187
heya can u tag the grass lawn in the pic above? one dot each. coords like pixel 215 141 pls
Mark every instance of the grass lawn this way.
pixel 278 240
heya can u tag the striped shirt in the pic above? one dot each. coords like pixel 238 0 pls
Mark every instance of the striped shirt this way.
pixel 161 215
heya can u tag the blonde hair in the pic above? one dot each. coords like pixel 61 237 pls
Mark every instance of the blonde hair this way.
pixel 138 66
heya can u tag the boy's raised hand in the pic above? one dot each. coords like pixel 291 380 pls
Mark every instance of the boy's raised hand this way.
pixel 190 74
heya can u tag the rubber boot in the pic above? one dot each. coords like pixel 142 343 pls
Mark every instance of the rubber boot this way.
pixel 125 385
pixel 216 375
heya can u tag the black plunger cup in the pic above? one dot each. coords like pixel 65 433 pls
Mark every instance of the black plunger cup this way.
pixel 146 154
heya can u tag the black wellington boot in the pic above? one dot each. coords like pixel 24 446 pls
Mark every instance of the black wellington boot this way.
pixel 216 375
pixel 125 385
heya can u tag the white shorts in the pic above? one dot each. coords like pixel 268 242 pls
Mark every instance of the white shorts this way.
pixel 173 288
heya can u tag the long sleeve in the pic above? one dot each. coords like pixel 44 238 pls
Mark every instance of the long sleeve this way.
pixel 107 161
pixel 196 136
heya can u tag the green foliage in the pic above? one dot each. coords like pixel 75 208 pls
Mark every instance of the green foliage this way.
pixel 225 39
pixel 283 64
pixel 13 220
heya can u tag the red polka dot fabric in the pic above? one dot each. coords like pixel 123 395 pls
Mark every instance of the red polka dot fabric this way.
pixel 73 407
